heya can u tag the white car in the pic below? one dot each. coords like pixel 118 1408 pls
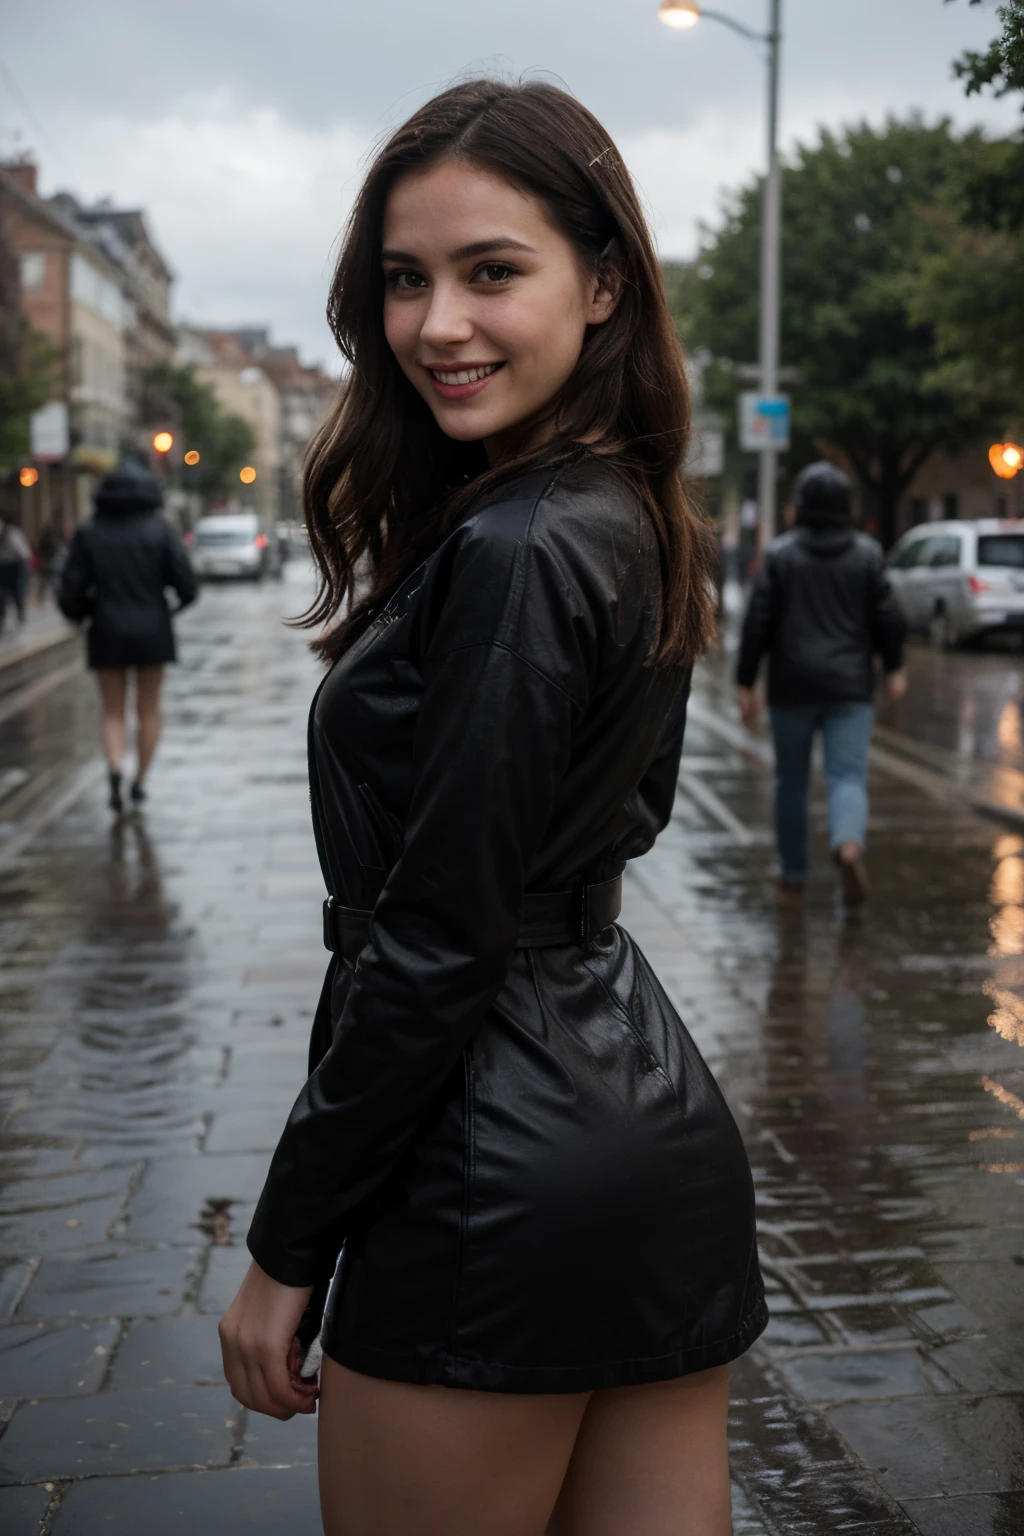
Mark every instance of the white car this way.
pixel 230 544
pixel 960 580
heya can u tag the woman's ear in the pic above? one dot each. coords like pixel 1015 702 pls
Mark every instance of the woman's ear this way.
pixel 607 284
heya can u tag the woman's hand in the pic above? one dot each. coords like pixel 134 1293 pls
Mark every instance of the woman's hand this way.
pixel 896 685
pixel 749 706
pixel 256 1340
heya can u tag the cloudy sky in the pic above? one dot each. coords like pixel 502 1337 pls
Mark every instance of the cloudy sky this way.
pixel 241 125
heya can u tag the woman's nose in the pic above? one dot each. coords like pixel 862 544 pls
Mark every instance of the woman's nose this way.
pixel 448 319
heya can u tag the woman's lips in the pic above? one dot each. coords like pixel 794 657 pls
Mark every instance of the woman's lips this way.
pixel 457 383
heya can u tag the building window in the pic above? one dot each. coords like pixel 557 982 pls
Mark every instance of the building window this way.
pixel 92 288
pixel 950 503
pixel 33 270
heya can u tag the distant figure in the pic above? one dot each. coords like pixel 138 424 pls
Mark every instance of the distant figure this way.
pixel 47 549
pixel 116 575
pixel 821 609
pixel 15 564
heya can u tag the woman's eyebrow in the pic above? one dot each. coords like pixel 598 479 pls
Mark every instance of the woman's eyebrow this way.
pixel 464 252
pixel 484 247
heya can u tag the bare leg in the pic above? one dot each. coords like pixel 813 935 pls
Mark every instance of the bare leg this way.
pixel 148 681
pixel 403 1460
pixel 113 687
pixel 651 1461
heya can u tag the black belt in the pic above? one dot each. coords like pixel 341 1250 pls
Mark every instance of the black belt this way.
pixel 547 919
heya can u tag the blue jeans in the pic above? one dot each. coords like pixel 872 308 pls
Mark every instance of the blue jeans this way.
pixel 846 734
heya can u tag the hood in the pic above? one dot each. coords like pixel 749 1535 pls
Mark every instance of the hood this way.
pixel 128 488
pixel 823 499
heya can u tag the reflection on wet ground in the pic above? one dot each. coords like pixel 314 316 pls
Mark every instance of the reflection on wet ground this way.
pixel 968 701
pixel 158 977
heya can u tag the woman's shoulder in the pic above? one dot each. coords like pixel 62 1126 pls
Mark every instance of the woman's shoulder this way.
pixel 586 494
pixel 549 565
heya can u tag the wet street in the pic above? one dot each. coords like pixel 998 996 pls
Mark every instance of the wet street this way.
pixel 158 975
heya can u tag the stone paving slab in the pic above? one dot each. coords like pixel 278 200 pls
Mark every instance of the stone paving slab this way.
pixel 22 1509
pixel 119 1432
pixel 257 1501
pixel 36 1361
pixel 110 1282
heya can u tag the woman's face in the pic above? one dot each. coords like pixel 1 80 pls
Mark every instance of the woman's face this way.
pixel 486 302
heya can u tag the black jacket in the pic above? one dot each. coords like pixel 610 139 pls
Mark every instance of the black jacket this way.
pixel 822 609
pixel 117 573
pixel 536 1182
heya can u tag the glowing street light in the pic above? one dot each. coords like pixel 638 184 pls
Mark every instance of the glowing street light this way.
pixel 28 476
pixel 192 457
pixel 163 442
pixel 686 13
pixel 1006 459
pixel 679 13
pixel 247 475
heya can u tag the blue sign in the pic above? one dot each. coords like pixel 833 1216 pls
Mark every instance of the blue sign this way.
pixel 764 422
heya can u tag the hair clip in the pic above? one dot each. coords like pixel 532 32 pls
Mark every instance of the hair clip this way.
pixel 600 157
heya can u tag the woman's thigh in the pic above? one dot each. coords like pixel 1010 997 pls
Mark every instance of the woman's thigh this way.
pixel 403 1460
pixel 651 1461
pixel 148 681
pixel 113 683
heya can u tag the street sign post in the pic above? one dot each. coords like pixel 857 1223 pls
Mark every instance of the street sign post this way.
pixel 48 428
pixel 764 422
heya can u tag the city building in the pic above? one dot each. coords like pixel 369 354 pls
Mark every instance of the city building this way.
pixel 282 399
pixel 306 395
pixel 244 389
pixel 72 292
pixel 150 337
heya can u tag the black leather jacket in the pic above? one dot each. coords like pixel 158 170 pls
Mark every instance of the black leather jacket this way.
pixel 537 1184
pixel 822 609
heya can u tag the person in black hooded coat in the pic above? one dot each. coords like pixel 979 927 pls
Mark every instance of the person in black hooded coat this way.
pixel 822 609
pixel 119 568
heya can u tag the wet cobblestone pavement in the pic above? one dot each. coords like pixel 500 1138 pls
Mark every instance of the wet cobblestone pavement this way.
pixel 157 981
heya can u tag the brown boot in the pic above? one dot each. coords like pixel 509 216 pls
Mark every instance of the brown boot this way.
pixel 852 874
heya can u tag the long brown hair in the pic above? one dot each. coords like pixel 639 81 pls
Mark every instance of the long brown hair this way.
pixel 383 484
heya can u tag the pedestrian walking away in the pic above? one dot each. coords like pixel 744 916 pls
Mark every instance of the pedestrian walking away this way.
pixel 119 569
pixel 821 610
pixel 510 1173
pixel 15 567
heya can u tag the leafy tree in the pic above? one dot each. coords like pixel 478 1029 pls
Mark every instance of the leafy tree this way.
pixel 972 288
pixel 28 375
pixel 858 218
pixel 224 442
pixel 1001 67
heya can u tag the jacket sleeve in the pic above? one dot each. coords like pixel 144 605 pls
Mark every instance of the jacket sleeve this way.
pixel 178 572
pixel 888 628
pixel 492 744
pixel 77 582
pixel 758 625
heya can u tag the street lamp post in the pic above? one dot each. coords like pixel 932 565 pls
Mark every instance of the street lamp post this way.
pixel 686 13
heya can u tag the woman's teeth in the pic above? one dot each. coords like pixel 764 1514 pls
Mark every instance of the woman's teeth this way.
pixel 465 375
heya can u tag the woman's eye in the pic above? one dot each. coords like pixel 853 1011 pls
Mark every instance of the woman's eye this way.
pixel 496 272
pixel 406 280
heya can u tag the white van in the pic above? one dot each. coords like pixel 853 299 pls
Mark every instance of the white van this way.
pixel 960 580
pixel 229 544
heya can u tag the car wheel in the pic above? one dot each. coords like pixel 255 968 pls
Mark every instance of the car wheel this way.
pixel 942 632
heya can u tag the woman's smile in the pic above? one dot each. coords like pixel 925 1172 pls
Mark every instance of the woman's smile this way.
pixel 457 381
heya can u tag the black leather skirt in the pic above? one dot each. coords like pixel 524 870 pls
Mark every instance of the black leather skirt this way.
pixel 578 1211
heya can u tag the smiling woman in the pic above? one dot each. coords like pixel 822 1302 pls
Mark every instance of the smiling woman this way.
pixel 510 1197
